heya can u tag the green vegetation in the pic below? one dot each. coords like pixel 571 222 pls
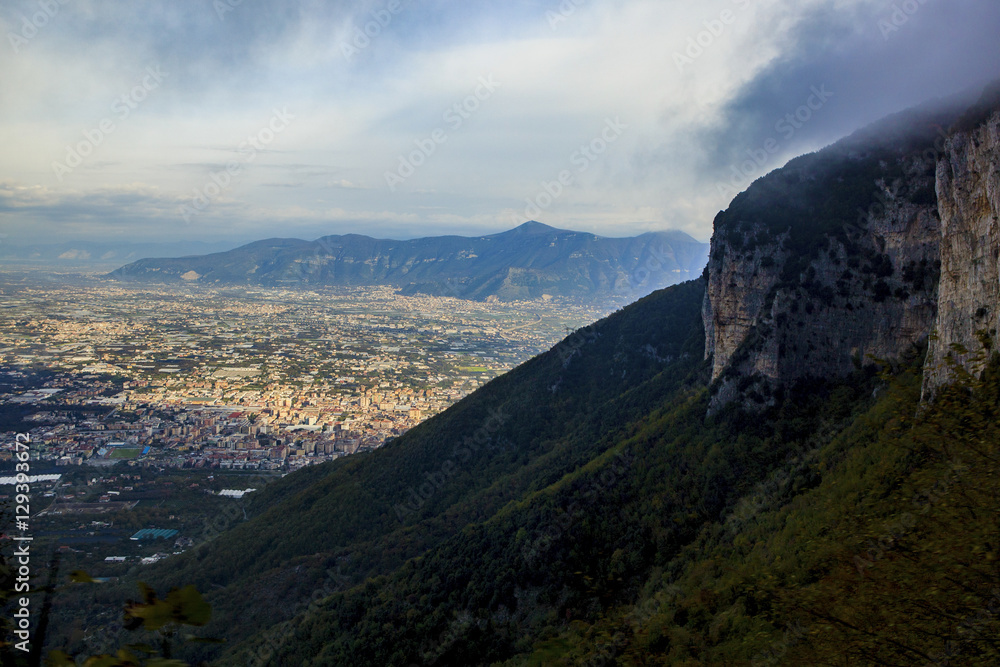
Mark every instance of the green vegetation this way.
pixel 157 620
pixel 847 554
pixel 605 520
pixel 824 534
pixel 333 526
pixel 824 197
pixel 584 509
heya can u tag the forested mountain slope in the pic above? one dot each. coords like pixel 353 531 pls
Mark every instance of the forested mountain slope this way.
pixel 337 524
pixel 663 489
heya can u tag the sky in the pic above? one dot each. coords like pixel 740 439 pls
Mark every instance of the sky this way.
pixel 235 120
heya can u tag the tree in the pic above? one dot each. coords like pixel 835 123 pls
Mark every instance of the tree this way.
pixel 164 619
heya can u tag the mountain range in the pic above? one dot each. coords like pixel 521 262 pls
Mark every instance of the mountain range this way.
pixel 527 262
pixel 789 460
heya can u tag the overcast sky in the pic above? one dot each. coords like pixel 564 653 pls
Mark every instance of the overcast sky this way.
pixel 233 121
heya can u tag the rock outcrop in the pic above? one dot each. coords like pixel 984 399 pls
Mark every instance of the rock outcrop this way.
pixel 799 288
pixel 827 264
pixel 968 191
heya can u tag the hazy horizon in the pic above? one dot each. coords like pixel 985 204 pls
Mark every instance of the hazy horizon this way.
pixel 238 121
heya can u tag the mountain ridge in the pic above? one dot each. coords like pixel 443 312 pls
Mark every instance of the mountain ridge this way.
pixel 527 262
pixel 665 487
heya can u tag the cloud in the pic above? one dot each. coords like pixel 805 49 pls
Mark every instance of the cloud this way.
pixel 130 210
pixel 864 69
pixel 562 73
pixel 875 63
pixel 345 184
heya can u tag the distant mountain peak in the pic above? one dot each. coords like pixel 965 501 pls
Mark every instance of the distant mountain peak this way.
pixel 527 262
pixel 534 227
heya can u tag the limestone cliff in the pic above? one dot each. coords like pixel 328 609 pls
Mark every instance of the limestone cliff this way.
pixel 968 190
pixel 824 265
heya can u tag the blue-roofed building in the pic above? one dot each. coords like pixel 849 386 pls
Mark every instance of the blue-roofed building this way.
pixel 154 534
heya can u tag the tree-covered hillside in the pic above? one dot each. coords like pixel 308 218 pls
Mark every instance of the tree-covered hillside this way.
pixel 333 526
pixel 822 533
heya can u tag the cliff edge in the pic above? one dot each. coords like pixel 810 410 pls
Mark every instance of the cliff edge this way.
pixel 827 264
pixel 968 190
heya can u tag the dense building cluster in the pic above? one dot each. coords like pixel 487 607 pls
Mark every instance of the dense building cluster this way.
pixel 248 379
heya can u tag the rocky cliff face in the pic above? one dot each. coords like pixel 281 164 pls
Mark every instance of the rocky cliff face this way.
pixel 827 264
pixel 861 252
pixel 968 190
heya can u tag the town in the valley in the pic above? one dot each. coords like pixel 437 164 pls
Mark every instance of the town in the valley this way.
pixel 255 379
pixel 153 412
